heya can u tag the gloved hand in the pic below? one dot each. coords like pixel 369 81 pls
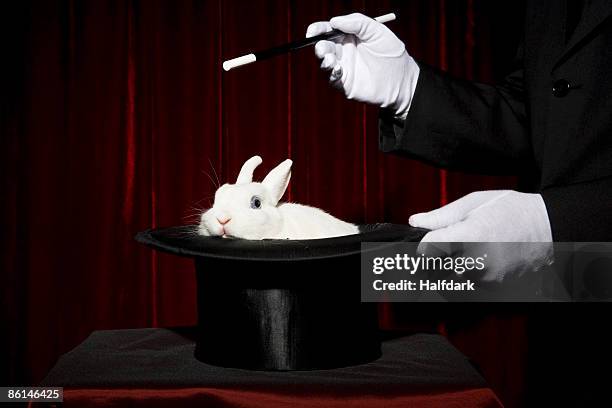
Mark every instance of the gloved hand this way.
pixel 489 218
pixel 370 64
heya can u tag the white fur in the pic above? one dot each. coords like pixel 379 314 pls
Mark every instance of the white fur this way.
pixel 272 220
pixel 304 222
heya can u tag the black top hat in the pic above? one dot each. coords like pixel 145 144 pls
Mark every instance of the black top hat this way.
pixel 281 304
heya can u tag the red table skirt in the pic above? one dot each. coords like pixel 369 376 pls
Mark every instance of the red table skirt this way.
pixel 211 397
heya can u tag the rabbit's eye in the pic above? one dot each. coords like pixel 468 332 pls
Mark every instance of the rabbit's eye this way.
pixel 255 203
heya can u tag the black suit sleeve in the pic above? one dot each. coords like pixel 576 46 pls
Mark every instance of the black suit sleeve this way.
pixel 580 212
pixel 463 125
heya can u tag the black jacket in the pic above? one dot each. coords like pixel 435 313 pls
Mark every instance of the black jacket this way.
pixel 551 118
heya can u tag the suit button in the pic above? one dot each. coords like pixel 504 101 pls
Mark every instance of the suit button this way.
pixel 560 88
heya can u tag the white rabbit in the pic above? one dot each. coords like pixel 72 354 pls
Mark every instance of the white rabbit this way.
pixel 251 210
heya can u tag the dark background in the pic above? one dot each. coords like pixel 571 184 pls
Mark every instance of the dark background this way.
pixel 116 114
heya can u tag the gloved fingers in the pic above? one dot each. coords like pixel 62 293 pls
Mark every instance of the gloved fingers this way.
pixel 329 62
pixel 456 239
pixel 363 27
pixel 464 231
pixel 338 50
pixel 453 212
pixel 317 28
pixel 324 47
pixel 335 76
pixel 435 249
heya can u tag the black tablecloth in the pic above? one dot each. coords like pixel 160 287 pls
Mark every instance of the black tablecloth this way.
pixel 164 357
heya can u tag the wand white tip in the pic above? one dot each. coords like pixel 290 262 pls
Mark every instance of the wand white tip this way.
pixel 239 61
pixel 385 18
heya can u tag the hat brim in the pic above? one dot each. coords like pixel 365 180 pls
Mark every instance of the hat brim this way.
pixel 184 241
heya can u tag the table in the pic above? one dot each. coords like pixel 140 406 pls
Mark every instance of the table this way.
pixel 155 367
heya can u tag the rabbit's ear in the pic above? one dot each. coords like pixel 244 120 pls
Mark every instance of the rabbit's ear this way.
pixel 278 179
pixel 246 172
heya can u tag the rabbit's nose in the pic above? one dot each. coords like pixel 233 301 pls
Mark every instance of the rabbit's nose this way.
pixel 223 219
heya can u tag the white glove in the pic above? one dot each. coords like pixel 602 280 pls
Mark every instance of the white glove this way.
pixel 490 218
pixel 370 64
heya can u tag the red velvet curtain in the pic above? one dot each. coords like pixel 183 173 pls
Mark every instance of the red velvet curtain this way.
pixel 118 117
